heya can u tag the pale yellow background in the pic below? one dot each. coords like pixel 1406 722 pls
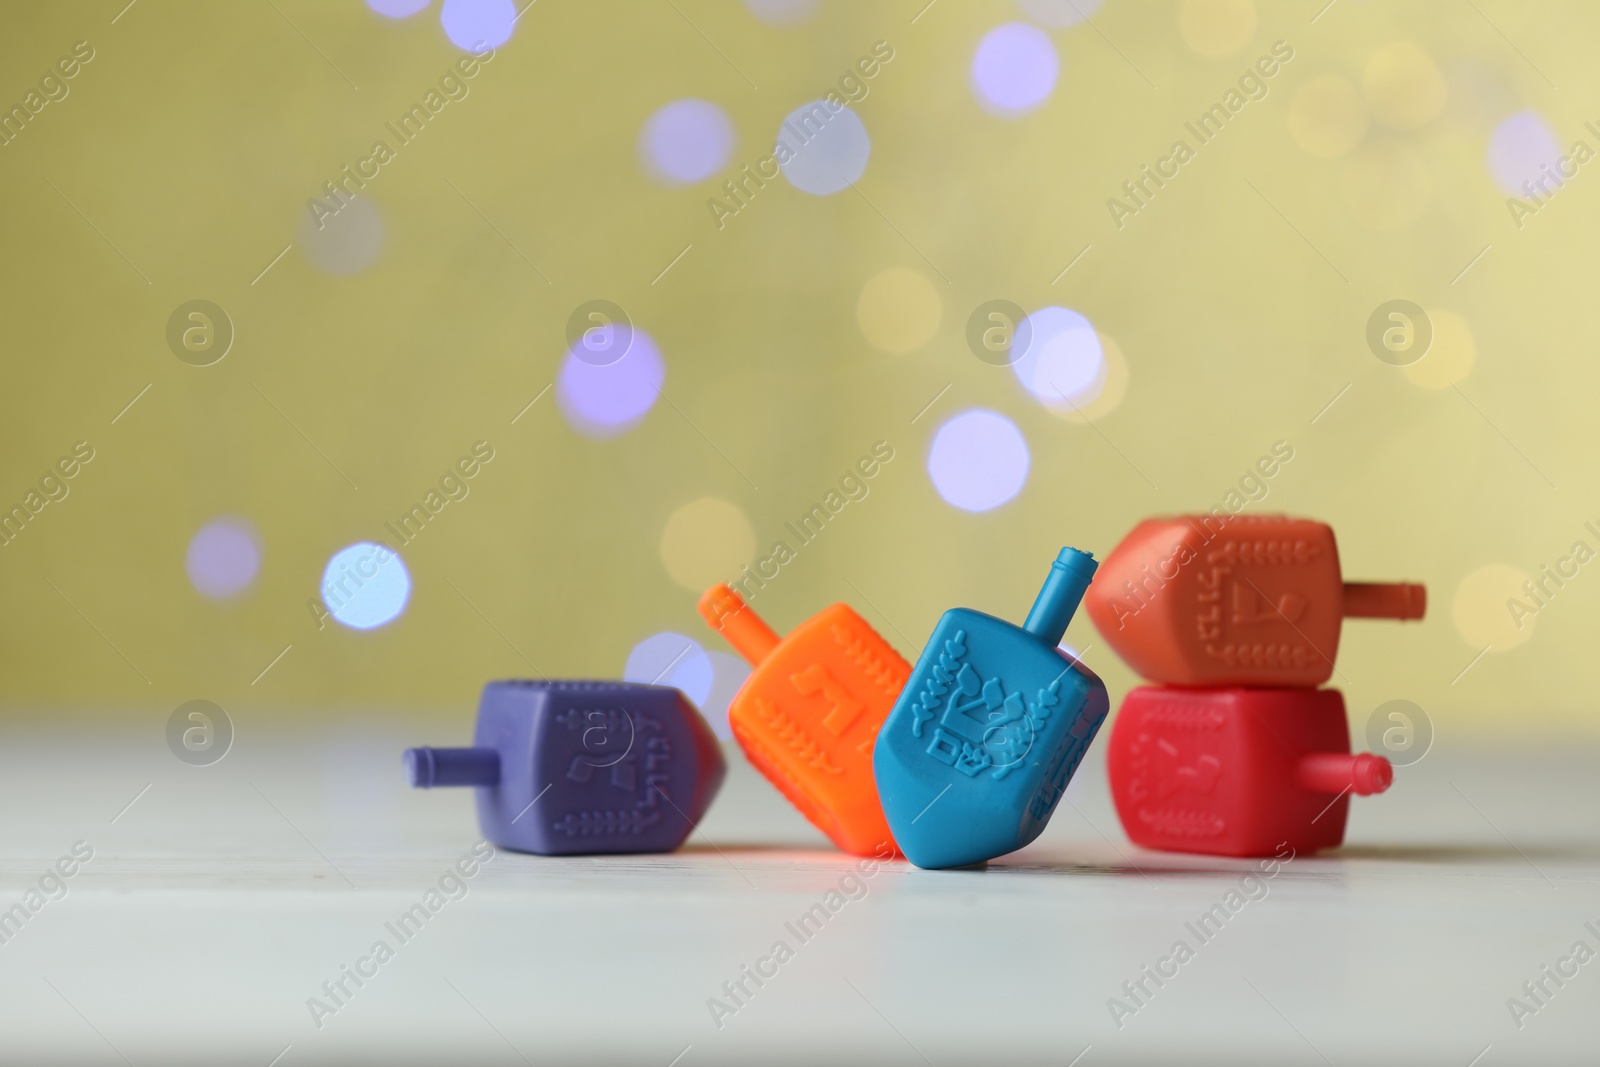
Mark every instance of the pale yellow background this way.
pixel 1238 300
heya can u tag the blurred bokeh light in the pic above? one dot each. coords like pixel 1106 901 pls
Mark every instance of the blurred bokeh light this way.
pixel 1014 69
pixel 603 400
pixel 478 24
pixel 223 558
pixel 828 148
pixel 1063 359
pixel 978 460
pixel 365 585
pixel 671 659
pixel 686 141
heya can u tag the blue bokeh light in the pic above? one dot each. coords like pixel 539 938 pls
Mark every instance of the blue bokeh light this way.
pixel 366 585
pixel 728 675
pixel 823 149
pixel 978 460
pixel 669 658
pixel 606 400
pixel 1014 69
pixel 686 141
pixel 398 9
pixel 1064 361
pixel 478 24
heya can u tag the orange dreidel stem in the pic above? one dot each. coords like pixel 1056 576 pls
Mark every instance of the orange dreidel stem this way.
pixel 1384 600
pixel 726 612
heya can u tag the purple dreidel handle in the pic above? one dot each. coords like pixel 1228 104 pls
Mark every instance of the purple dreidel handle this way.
pixel 427 767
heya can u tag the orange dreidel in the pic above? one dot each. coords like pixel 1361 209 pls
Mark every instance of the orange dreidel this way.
pixel 809 713
pixel 1228 600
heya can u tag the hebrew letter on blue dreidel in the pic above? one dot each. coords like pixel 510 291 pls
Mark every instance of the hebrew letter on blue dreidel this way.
pixel 563 768
pixel 986 734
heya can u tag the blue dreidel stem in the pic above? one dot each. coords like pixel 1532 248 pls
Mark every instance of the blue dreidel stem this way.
pixel 428 767
pixel 1058 600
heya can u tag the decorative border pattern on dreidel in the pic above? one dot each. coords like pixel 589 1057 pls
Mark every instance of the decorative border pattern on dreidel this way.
pixel 1208 600
pixel 809 712
pixel 990 728
pixel 1237 772
pixel 573 768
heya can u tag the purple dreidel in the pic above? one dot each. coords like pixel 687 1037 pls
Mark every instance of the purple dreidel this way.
pixel 562 768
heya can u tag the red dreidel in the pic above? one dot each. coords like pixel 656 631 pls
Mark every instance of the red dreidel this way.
pixel 1237 772
pixel 1209 600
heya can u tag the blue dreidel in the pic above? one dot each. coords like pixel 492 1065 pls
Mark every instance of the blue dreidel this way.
pixel 989 729
pixel 563 768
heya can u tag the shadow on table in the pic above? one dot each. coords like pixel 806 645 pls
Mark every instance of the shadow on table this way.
pixel 1151 865
pixel 1098 861
pixel 1459 853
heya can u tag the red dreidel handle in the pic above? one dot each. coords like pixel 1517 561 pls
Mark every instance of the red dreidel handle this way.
pixel 1337 772
pixel 1384 600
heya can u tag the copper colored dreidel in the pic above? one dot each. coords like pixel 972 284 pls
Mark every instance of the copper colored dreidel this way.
pixel 1209 600
pixel 809 713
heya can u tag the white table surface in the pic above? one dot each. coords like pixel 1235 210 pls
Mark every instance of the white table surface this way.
pixel 222 898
